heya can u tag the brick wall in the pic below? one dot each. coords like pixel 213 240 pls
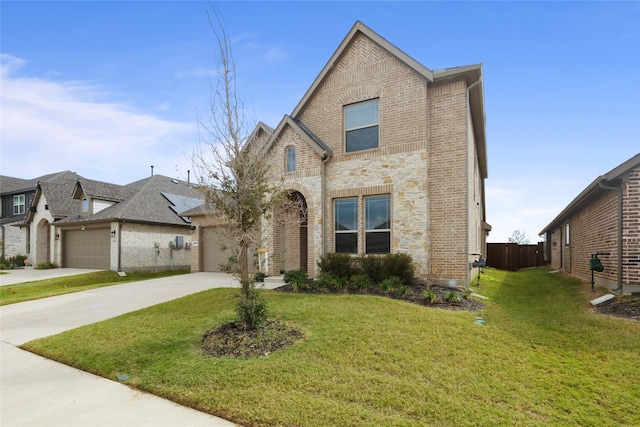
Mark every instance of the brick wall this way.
pixel 631 229
pixel 140 253
pixel 447 181
pixel 421 162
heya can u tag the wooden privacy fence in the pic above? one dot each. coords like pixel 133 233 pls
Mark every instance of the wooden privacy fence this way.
pixel 512 256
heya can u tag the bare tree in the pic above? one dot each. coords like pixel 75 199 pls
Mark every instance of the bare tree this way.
pixel 520 237
pixel 234 179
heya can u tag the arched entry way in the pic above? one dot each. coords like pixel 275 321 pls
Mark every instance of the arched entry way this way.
pixel 43 242
pixel 292 240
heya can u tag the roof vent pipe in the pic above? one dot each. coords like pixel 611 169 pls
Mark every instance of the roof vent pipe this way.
pixel 151 170
pixel 188 176
pixel 619 190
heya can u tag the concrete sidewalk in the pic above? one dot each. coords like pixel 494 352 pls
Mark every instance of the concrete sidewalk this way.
pixel 39 392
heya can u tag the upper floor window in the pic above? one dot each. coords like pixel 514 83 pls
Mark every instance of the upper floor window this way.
pixel 377 224
pixel 85 205
pixel 291 159
pixel 361 122
pixel 18 204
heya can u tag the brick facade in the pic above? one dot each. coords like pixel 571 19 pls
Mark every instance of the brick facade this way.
pixel 427 162
pixel 593 223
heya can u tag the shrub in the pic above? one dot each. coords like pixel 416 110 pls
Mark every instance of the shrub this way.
pixel 47 266
pixel 337 265
pixel 400 266
pixel 402 290
pixel 360 281
pixel 259 277
pixel 430 295
pixel 390 284
pixel 297 278
pixel 252 309
pixel 372 266
pixel 341 283
pixel 453 297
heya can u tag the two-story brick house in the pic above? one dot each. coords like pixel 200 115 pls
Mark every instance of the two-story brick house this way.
pixel 385 155
pixel 604 218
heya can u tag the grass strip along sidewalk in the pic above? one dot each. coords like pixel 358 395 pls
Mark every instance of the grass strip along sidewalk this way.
pixel 11 294
pixel 542 357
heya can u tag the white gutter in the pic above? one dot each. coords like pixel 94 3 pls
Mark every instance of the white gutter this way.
pixel 467 269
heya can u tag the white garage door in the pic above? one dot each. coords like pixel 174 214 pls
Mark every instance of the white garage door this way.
pixel 90 248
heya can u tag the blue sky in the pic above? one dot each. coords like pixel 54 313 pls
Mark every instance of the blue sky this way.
pixel 107 89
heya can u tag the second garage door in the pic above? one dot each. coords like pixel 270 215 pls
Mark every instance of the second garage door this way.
pixel 211 256
pixel 89 248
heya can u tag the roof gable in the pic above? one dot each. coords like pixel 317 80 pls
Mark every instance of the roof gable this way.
pixel 304 132
pixel 360 29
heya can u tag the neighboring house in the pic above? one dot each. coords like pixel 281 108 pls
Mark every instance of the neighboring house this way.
pixel 386 156
pixel 17 195
pixel 603 218
pixel 93 224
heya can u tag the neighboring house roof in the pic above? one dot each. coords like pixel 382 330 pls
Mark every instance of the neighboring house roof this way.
pixel 10 184
pixel 360 28
pixel 157 199
pixel 593 188
pixel 58 198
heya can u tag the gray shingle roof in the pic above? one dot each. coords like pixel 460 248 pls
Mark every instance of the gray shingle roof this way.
pixel 141 201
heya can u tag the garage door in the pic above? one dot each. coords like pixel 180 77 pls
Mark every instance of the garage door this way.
pixel 210 253
pixel 89 248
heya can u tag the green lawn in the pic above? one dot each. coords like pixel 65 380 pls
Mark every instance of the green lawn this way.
pixel 542 358
pixel 10 294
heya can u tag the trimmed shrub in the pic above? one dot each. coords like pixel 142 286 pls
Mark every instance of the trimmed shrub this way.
pixel 297 278
pixel 259 277
pixel 400 266
pixel 372 266
pixel 337 265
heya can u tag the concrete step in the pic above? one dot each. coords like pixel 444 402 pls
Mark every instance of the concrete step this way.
pixel 274 281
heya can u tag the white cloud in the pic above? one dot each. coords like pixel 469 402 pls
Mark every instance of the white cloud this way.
pixel 50 125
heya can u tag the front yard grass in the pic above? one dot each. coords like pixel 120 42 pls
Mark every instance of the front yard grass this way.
pixel 543 357
pixel 11 294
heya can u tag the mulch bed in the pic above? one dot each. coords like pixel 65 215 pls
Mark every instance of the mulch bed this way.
pixel 627 306
pixel 413 295
pixel 231 340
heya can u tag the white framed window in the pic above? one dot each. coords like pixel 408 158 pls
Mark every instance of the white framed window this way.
pixel 361 122
pixel 345 219
pixel 85 205
pixel 566 234
pixel 18 204
pixel 291 159
pixel 377 224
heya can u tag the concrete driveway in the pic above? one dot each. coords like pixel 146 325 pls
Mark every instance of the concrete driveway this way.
pixel 39 392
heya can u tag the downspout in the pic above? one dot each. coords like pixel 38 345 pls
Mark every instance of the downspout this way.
pixel 325 159
pixel 467 269
pixel 619 190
